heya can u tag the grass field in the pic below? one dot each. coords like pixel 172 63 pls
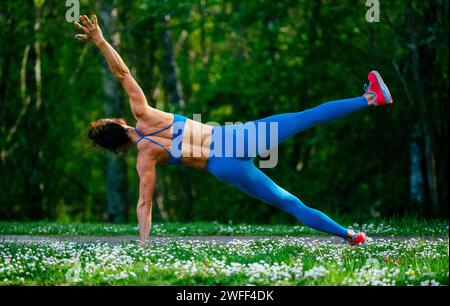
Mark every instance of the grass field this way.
pixel 268 262
pixel 393 227
pixel 290 261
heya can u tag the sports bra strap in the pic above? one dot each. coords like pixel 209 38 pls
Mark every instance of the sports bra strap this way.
pixel 145 136
pixel 155 142
pixel 178 131
pixel 154 133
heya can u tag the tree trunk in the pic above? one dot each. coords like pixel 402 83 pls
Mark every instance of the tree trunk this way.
pixel 420 101
pixel 416 176
pixel 35 121
pixel 173 86
pixel 431 171
pixel 116 168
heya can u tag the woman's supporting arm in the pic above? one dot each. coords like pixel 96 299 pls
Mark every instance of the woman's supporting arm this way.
pixel 147 174
pixel 93 33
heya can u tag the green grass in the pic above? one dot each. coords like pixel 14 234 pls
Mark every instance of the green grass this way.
pixel 393 227
pixel 268 262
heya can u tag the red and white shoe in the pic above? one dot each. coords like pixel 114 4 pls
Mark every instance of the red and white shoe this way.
pixel 379 89
pixel 357 239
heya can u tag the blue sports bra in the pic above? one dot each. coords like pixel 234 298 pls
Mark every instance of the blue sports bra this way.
pixel 177 139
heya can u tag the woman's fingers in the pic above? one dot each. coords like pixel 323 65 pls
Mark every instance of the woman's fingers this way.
pixel 88 22
pixel 85 22
pixel 88 27
pixel 82 36
pixel 79 26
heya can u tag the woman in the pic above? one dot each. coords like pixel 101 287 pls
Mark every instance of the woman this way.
pixel 164 138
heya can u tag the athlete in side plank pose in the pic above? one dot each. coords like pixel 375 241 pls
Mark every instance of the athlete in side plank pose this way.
pixel 165 138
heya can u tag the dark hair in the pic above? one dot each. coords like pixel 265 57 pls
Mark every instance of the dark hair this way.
pixel 109 134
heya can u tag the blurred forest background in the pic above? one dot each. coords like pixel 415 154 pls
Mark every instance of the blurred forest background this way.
pixel 229 60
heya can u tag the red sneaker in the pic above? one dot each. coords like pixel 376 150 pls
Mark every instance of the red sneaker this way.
pixel 358 238
pixel 379 89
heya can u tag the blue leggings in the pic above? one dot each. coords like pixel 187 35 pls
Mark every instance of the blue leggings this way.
pixel 242 173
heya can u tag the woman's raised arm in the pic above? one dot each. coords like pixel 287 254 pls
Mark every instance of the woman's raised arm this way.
pixel 93 33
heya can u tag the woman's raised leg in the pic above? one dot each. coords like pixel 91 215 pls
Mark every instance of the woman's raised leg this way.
pixel 377 93
pixel 290 124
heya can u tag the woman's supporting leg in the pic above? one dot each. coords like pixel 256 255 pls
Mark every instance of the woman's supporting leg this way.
pixel 290 124
pixel 244 175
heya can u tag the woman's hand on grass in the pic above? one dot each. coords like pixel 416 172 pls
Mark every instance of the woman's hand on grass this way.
pixel 92 31
pixel 142 243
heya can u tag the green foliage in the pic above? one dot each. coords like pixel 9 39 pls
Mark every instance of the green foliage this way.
pixel 236 61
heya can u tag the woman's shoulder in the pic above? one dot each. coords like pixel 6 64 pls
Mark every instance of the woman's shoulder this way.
pixel 154 119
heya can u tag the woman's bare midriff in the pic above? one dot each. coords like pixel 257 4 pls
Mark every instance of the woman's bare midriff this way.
pixel 196 145
pixel 196 139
